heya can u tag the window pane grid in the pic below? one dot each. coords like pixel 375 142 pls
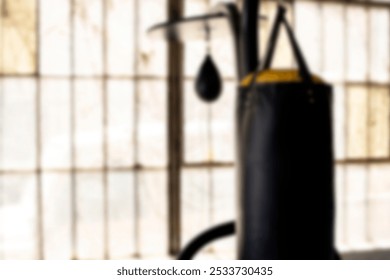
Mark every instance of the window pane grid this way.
pixel 79 97
pixel 88 92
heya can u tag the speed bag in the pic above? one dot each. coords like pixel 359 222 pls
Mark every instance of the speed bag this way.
pixel 286 199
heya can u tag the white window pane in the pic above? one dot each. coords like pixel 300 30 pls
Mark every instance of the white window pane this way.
pixel 379 125
pixel 267 9
pixel 120 123
pixel 120 31
pixel 223 195
pixel 356 210
pixel 89 122
pixel 340 203
pixel 208 199
pixel 196 126
pixel 339 120
pixel 121 215
pixel 152 132
pixel 224 208
pixel 18 37
pixel 18 124
pixel 334 42
pixel 195 51
pixel 357 52
pixel 379 45
pixel 153 216
pixel 195 7
pixel 152 58
pixel 308 27
pixel 89 205
pixel 223 54
pixel 283 56
pixel 222 124
pixel 18 217
pixel 379 205
pixel 357 122
pixel 195 203
pixel 56 199
pixel 221 249
pixel 203 121
pixel 55 123
pixel 194 54
pixel 54 37
pixel 88 37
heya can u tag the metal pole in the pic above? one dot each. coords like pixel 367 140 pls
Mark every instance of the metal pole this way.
pixel 249 39
pixel 175 119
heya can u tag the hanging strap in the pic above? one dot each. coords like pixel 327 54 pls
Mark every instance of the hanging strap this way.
pixel 279 21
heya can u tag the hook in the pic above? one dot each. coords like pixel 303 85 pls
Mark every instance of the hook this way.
pixel 207 31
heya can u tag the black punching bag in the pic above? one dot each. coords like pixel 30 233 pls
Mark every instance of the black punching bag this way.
pixel 286 208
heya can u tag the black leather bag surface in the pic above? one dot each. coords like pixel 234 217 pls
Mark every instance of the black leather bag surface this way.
pixel 286 162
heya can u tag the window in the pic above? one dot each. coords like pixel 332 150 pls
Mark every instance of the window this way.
pixel 348 45
pixel 83 126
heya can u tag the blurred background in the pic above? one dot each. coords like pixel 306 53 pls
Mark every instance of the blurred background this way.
pixel 84 127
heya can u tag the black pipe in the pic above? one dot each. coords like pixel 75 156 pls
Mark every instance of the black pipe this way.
pixel 234 19
pixel 210 235
pixel 223 230
pixel 249 39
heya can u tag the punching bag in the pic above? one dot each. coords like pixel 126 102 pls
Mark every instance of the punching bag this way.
pixel 285 177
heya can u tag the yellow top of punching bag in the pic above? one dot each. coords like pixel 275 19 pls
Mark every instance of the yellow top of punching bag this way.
pixel 277 76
